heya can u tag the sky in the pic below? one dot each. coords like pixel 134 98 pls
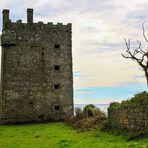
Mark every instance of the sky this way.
pixel 99 27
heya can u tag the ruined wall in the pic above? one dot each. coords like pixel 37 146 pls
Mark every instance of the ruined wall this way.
pixel 129 116
pixel 37 80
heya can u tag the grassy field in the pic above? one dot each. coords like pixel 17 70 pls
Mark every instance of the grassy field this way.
pixel 59 135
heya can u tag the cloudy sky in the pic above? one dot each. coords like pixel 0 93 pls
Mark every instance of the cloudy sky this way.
pixel 101 75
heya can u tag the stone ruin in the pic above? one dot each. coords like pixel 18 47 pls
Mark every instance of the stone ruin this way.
pixel 36 71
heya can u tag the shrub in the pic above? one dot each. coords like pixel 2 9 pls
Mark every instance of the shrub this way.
pixel 78 115
pixel 79 112
pixel 94 122
pixel 82 124
pixel 89 110
pixel 89 117
pixel 98 112
pixel 72 120
pixel 140 99
pixel 114 105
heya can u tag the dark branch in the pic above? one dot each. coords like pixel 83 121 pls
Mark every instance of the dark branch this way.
pixel 144 33
pixel 138 54
pixel 140 47
pixel 133 55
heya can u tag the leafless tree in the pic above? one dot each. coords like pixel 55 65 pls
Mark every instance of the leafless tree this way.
pixel 138 54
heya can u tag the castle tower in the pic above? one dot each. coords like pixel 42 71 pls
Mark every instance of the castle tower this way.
pixel 36 71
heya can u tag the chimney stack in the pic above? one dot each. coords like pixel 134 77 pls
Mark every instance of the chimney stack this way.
pixel 29 16
pixel 5 17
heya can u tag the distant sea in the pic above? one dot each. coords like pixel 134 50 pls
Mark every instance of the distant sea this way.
pixel 102 107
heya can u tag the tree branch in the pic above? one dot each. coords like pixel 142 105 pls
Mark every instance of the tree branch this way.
pixel 144 33
pixel 138 54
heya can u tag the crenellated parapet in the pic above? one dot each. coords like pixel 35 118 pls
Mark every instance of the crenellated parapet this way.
pixel 38 25
pixel 8 24
pixel 16 32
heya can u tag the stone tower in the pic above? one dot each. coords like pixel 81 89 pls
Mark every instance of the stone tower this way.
pixel 36 73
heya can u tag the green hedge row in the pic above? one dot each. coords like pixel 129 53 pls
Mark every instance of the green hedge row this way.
pixel 140 99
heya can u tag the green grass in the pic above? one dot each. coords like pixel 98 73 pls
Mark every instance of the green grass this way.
pixel 59 135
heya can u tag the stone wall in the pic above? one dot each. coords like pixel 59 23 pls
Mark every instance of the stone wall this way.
pixel 37 78
pixel 131 116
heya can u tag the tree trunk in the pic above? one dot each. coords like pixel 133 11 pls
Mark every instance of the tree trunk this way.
pixel 146 75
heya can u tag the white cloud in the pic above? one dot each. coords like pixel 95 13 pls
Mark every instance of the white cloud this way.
pixel 105 69
pixel 96 100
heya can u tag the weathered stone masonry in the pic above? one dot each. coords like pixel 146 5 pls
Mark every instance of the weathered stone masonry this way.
pixel 133 118
pixel 37 79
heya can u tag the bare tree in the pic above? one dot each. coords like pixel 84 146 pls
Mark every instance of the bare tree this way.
pixel 138 54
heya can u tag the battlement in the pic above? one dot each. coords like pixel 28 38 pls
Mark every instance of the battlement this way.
pixel 30 32
pixel 8 24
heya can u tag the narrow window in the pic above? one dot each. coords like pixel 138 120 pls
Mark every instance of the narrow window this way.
pixel 57 46
pixel 31 102
pixel 18 62
pixel 56 107
pixel 41 117
pixel 56 86
pixel 56 67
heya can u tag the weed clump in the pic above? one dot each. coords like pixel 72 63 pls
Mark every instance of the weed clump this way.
pixel 89 117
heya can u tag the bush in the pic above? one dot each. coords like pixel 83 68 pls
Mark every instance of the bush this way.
pixel 82 124
pixel 114 105
pixel 89 117
pixel 89 110
pixel 98 112
pixel 94 122
pixel 79 113
pixel 140 99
